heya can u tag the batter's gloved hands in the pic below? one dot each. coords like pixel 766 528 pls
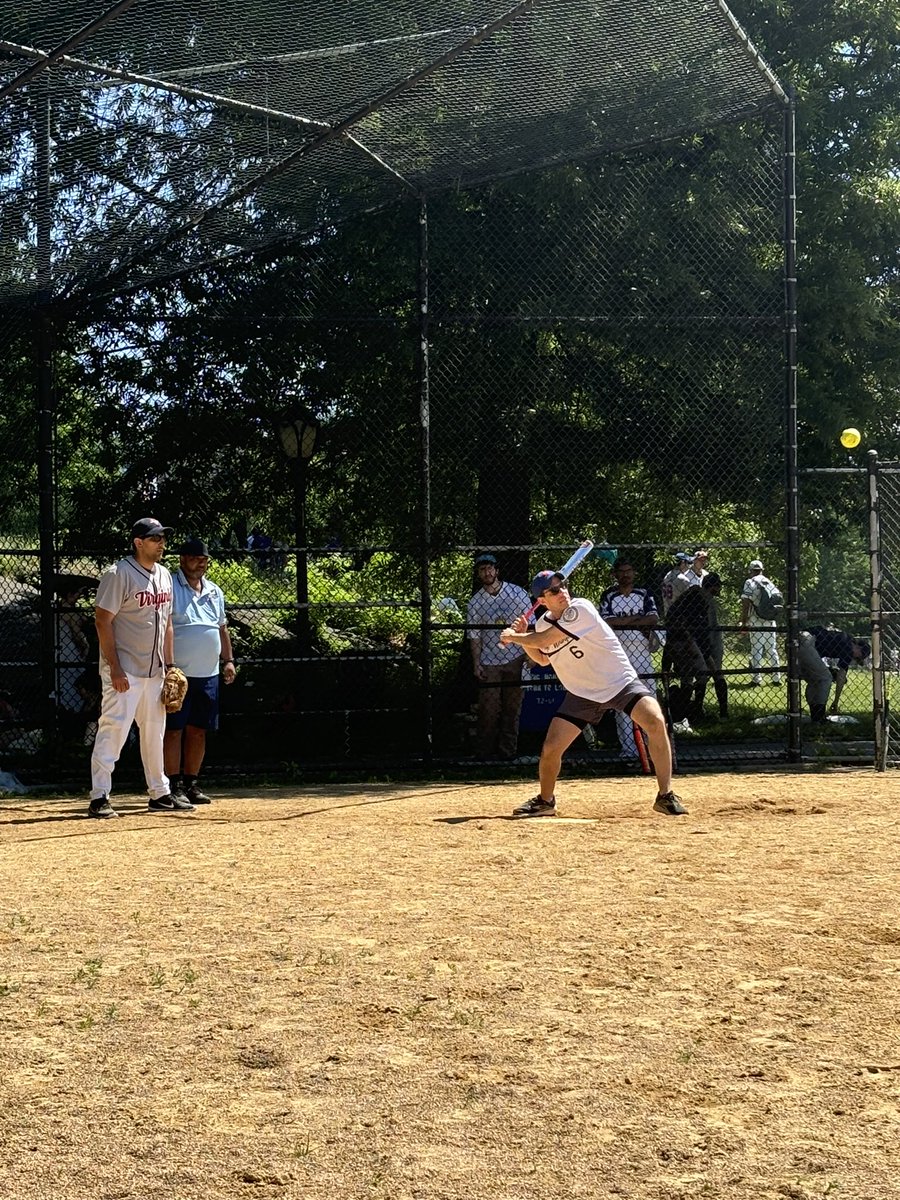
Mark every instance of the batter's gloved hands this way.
pixel 175 686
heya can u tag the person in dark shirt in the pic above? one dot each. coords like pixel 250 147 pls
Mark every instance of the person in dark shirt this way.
pixel 688 653
pixel 816 644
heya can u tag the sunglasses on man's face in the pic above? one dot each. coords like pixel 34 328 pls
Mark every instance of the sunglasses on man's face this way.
pixel 554 589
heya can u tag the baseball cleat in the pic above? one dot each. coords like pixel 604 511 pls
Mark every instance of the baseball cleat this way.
pixel 101 808
pixel 670 804
pixel 536 808
pixel 161 804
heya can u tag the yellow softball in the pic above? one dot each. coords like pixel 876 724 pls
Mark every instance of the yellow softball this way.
pixel 851 438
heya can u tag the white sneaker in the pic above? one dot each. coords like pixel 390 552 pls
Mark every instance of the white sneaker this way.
pixel 682 726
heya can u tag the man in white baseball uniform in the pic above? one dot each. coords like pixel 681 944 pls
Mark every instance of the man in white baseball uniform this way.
pixel 631 612
pixel 762 632
pixel 594 669
pixel 497 668
pixel 133 615
pixel 676 582
pixel 697 571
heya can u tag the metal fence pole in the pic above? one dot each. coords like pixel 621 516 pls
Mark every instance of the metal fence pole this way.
pixel 46 419
pixel 792 515
pixel 879 709
pixel 425 481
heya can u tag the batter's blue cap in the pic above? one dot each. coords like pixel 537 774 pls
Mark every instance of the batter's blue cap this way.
pixel 542 581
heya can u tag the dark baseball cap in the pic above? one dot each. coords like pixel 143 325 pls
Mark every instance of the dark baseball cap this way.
pixel 148 526
pixel 194 546
pixel 485 558
pixel 542 581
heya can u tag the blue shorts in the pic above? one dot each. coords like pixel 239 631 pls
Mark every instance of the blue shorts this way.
pixel 201 705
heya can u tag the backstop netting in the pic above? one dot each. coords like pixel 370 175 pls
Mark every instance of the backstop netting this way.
pixel 354 293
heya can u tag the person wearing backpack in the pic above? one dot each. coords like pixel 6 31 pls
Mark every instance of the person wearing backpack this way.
pixel 761 606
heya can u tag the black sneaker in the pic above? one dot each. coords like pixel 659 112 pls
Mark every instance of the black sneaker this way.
pixel 536 808
pixel 162 804
pixel 671 805
pixel 196 796
pixel 101 808
pixel 181 802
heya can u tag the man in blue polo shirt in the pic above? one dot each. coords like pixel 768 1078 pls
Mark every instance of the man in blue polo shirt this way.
pixel 201 642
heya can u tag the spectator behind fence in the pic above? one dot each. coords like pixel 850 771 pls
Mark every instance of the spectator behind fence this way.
pixel 675 583
pixel 260 546
pixel 714 648
pixel 624 606
pixel 201 641
pixel 72 652
pixel 816 644
pixel 498 669
pixel 763 644
pixel 696 572
pixel 687 654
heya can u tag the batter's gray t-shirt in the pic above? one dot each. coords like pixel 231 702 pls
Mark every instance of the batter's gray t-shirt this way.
pixel 141 601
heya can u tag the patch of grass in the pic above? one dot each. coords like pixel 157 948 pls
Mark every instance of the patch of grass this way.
pixel 7 988
pixel 468 1017
pixel 89 972
pixel 187 976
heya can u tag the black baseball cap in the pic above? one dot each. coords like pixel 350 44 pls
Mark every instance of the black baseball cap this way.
pixel 194 546
pixel 147 526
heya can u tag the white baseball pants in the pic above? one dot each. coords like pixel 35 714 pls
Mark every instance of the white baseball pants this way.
pixel 763 645
pixel 142 704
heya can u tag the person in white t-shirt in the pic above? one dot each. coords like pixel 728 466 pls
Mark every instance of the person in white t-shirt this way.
pixel 498 669
pixel 594 669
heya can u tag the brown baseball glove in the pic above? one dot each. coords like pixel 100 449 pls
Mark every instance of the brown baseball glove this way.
pixel 175 686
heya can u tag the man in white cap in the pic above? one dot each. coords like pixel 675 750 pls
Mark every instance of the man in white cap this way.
pixel 761 629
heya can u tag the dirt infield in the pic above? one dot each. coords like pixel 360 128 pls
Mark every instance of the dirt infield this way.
pixel 395 991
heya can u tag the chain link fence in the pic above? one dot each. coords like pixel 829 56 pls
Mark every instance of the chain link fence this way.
pixel 283 282
pixel 884 484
